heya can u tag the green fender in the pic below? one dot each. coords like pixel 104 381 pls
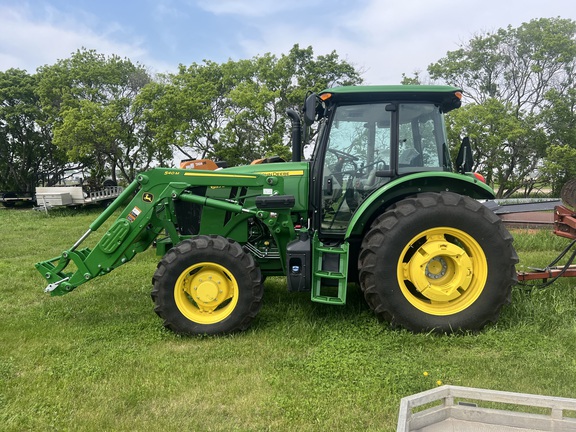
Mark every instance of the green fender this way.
pixel 412 184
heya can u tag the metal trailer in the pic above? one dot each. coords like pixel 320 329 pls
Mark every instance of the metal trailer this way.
pixel 466 409
pixel 59 196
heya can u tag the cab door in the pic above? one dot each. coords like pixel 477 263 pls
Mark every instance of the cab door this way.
pixel 356 161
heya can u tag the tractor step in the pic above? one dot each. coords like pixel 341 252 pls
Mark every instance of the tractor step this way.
pixel 329 272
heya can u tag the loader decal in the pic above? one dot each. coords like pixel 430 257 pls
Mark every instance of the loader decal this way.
pixel 210 174
pixel 147 197
pixel 133 214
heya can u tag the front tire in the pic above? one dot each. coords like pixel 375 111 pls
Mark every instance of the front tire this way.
pixel 207 285
pixel 438 262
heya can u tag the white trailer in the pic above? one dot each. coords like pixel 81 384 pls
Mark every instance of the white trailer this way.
pixel 59 196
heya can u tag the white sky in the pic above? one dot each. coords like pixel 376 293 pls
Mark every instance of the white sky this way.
pixel 383 38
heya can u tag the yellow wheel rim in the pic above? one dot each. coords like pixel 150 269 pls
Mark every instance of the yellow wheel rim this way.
pixel 206 293
pixel 442 271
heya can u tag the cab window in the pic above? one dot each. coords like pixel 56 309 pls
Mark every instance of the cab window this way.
pixel 422 143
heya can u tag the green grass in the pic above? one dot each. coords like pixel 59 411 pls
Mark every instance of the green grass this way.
pixel 99 359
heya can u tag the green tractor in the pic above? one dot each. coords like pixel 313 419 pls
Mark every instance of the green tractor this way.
pixel 377 203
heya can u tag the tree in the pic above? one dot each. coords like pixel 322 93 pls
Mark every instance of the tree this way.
pixel 415 80
pixel 507 149
pixel 275 85
pixel 559 119
pixel 91 100
pixel 26 150
pixel 188 110
pixel 518 67
pixel 235 111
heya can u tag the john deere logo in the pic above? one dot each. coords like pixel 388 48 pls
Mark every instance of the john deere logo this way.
pixel 147 197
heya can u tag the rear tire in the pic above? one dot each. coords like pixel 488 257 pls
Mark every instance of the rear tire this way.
pixel 438 262
pixel 207 285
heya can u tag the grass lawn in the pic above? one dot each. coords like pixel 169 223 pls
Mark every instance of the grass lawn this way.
pixel 98 359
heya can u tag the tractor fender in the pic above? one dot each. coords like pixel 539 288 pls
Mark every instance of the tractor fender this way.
pixel 412 184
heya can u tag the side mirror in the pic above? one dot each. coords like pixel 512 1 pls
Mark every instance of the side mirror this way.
pixel 465 159
pixel 310 109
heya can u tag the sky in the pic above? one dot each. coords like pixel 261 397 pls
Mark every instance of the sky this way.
pixel 380 38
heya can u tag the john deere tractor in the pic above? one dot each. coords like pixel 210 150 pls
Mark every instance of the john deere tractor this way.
pixel 378 203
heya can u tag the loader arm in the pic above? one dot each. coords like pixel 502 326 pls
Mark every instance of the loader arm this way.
pixel 150 212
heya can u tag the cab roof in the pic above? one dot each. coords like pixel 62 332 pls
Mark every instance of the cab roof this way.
pixel 444 94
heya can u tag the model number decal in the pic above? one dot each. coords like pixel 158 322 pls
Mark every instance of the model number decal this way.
pixel 283 173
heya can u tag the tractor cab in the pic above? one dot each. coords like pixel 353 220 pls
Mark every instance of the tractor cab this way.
pixel 369 136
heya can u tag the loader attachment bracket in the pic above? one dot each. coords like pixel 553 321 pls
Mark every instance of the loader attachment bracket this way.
pixel 61 282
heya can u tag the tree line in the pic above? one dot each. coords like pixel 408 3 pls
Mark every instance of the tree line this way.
pixel 112 118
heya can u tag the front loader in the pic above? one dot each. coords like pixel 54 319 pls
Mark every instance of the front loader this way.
pixel 378 203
